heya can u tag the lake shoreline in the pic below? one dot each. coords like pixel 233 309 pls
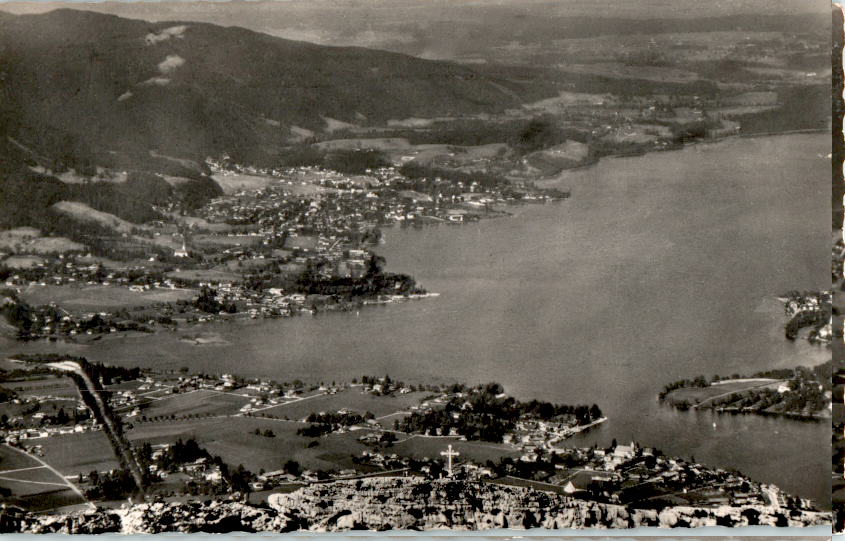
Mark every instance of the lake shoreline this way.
pixel 521 300
pixel 677 147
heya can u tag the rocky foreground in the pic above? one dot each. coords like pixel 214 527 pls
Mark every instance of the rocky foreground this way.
pixel 398 503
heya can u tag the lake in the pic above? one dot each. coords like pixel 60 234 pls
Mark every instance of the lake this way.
pixel 659 267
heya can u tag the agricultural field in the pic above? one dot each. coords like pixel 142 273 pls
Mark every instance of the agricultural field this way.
pixel 234 440
pixel 12 459
pixel 226 241
pixel 699 395
pixel 44 386
pixel 205 275
pixel 161 392
pixel 73 454
pixel 237 265
pixel 31 480
pixel 32 484
pixel 125 386
pixel 203 402
pixel 239 445
pixel 167 431
pixel 47 500
pixel 96 298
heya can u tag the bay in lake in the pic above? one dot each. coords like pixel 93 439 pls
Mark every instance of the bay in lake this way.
pixel 657 268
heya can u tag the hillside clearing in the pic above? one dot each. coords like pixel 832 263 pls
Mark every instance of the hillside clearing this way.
pixel 83 212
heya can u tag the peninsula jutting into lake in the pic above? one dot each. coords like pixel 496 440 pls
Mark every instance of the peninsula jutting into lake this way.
pixel 267 271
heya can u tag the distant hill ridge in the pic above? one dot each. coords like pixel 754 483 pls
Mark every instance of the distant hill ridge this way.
pixel 81 90
pixel 193 89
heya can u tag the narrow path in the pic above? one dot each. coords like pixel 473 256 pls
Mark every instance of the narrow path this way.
pixel 736 391
pixel 392 414
pixel 271 419
pixel 294 401
pixel 4 472
pixel 579 470
pixel 33 482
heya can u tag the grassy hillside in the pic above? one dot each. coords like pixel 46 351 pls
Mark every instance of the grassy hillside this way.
pixel 29 198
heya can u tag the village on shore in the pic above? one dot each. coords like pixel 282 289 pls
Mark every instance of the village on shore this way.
pixel 286 242
pixel 187 434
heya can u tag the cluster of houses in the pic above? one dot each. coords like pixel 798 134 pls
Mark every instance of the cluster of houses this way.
pixel 52 320
pixel 811 302
pixel 18 436
pixel 22 429
pixel 344 203
pixel 530 434
pixel 81 270
pixel 200 469
pixel 625 473
pixel 327 227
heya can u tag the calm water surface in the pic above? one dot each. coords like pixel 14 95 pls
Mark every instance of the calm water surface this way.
pixel 658 268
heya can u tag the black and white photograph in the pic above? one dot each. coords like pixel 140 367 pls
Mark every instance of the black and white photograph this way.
pixel 314 265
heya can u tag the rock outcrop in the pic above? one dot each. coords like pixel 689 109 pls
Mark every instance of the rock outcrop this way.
pixel 403 503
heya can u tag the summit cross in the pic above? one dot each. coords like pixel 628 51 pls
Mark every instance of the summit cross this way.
pixel 449 453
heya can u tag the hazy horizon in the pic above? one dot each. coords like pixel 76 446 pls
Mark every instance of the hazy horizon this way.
pixel 438 29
